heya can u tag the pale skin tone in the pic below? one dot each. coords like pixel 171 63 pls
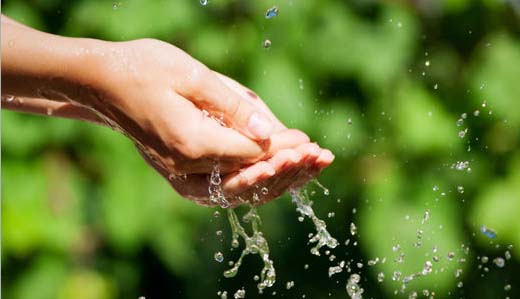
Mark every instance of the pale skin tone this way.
pixel 183 117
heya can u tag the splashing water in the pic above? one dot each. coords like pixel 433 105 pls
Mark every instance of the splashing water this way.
pixel 271 12
pixel 353 288
pixel 304 206
pixel 254 244
pixel 216 196
pixel 488 232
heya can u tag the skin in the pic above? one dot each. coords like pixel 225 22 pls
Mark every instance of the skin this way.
pixel 183 117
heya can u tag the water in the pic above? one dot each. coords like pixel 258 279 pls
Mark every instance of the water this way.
pixel 304 206
pixel 271 12
pixel 254 244
pixel 353 288
pixel 488 232
pixel 219 257
pixel 266 43
pixel 216 196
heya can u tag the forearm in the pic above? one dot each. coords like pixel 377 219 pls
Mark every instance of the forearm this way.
pixel 51 108
pixel 40 65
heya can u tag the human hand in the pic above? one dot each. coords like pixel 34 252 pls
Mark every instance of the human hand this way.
pixel 182 116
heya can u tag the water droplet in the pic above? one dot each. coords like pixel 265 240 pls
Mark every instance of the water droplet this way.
pixel 484 259
pixel 8 98
pixel 507 287
pixel 412 295
pixel 462 133
pixel 116 5
pixel 435 188
pixel 399 24
pixel 460 284
pixel 353 228
pixel 306 266
pixel 380 276
pixel 436 86
pixel 476 112
pixel 460 189
pixel 218 233
pixel 451 255
pixel 461 165
pixel 289 285
pixel 218 256
pixel 459 122
pixel 300 84
pixel 267 43
pixel 334 270
pixel 216 214
pixel 427 63
pixel 331 214
pixel 241 293
pixel 203 2
pixel 499 262
pixel 395 248
pixel 507 255
pixel 427 269
pixel 271 12
pixel 353 289
pixel 488 232
pixel 426 216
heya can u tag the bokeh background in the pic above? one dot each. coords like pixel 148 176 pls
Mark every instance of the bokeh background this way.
pixel 380 83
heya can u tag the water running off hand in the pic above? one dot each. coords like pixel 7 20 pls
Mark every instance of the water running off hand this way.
pixel 304 206
pixel 254 244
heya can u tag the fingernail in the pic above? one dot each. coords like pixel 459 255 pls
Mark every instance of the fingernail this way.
pixel 260 126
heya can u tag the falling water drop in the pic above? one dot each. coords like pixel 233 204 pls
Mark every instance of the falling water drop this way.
pixel 271 12
pixel 488 232
pixel 218 256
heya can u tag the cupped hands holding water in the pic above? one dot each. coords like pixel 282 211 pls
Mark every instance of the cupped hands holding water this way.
pixel 184 119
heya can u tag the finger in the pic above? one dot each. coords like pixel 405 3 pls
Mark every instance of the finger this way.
pixel 245 179
pixel 208 92
pixel 252 98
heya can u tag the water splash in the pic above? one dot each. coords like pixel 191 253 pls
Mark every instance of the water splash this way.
pixel 488 232
pixel 216 196
pixel 353 289
pixel 254 244
pixel 271 12
pixel 304 206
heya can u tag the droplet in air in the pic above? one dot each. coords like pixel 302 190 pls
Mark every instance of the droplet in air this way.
pixel 380 277
pixel 488 232
pixel 218 256
pixel 300 84
pixel 427 63
pixel 460 189
pixel 271 12
pixel 266 43
pixel 349 121
pixel 476 112
pixel 436 86
pixel 353 228
pixel 459 122
pixel 241 293
pixel 289 285
pixel 203 2
pixel 116 5
pixel 462 133
pixel 499 262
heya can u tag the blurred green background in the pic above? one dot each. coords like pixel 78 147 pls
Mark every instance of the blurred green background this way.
pixel 380 83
